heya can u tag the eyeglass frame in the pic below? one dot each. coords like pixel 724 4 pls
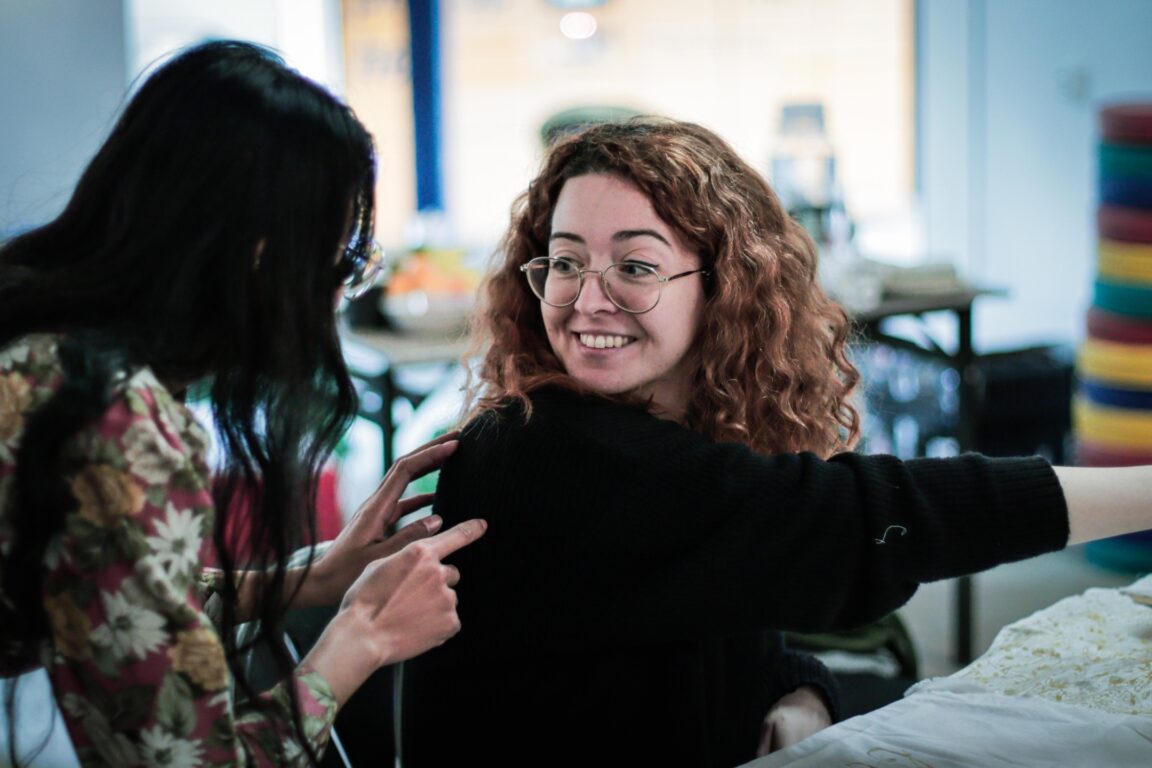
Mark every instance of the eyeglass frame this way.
pixel 661 281
pixel 362 270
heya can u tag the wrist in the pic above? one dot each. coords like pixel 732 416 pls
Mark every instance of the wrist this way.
pixel 322 586
pixel 305 590
pixel 346 654
pixel 809 697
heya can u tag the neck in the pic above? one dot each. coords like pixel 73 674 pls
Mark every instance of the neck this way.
pixel 668 412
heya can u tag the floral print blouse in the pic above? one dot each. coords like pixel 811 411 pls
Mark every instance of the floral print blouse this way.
pixel 138 669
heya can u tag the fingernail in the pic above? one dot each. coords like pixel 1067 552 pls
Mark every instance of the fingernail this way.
pixel 433 523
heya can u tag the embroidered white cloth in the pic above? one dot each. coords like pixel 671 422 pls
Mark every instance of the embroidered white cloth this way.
pixel 1093 650
pixel 1070 685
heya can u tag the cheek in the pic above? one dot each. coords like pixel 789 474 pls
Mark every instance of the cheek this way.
pixel 677 324
pixel 553 322
pixel 694 315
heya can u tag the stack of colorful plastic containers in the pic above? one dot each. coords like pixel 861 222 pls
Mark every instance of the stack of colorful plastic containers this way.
pixel 1113 409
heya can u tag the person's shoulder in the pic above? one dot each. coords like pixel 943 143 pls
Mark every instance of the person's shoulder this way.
pixel 144 430
pixel 148 400
pixel 34 357
pixel 555 409
pixel 30 374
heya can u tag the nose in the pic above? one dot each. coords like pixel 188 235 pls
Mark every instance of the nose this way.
pixel 592 297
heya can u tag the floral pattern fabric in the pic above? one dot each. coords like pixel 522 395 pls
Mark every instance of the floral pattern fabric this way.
pixel 136 665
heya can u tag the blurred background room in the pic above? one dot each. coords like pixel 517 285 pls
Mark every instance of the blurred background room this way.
pixel 945 155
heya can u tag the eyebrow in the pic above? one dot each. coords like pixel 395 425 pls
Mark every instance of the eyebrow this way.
pixel 622 235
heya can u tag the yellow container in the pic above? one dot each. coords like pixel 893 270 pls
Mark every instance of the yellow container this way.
pixel 1124 262
pixel 1115 428
pixel 1111 362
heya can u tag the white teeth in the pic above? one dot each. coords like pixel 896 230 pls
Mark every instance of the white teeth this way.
pixel 603 342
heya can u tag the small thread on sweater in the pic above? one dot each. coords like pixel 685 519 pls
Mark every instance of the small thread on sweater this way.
pixel 884 538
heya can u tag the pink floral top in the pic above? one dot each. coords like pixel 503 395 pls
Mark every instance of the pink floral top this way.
pixel 138 668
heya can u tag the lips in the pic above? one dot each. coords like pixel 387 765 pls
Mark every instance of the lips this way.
pixel 604 340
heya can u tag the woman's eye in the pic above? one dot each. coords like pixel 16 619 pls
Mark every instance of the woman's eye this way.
pixel 635 269
pixel 564 266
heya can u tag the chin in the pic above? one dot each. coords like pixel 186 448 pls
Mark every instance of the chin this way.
pixel 602 387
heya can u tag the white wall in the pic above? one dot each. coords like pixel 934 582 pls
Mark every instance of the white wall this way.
pixel 306 32
pixel 1010 91
pixel 65 66
pixel 62 76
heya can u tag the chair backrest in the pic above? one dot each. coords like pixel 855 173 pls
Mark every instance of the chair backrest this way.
pixel 887 635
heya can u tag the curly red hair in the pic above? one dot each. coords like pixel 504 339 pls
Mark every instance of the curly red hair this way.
pixel 772 370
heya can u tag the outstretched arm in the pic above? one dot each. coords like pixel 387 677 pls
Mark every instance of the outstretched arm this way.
pixel 1106 501
pixel 605 516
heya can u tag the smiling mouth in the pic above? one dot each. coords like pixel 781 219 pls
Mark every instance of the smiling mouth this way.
pixel 601 341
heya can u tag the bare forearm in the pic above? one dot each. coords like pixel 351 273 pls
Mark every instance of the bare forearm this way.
pixel 337 566
pixel 297 592
pixel 345 655
pixel 1104 502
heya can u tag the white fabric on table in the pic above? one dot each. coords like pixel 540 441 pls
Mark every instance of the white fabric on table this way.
pixel 1070 685
pixel 952 724
pixel 1093 650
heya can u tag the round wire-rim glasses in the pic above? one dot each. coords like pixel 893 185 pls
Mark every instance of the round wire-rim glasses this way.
pixel 640 279
pixel 362 270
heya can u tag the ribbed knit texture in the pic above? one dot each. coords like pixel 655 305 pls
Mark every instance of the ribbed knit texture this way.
pixel 633 576
pixel 794 669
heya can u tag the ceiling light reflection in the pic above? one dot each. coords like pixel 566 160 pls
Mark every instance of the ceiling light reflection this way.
pixel 578 25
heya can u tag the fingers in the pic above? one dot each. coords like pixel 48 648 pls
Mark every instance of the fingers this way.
pixel 414 531
pixel 413 503
pixel 461 535
pixel 453 575
pixel 767 736
pixel 451 434
pixel 424 459
pixel 406 469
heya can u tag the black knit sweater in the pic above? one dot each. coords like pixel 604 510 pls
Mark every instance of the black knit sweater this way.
pixel 622 608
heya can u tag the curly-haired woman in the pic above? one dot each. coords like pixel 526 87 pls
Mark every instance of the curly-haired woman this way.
pixel 660 440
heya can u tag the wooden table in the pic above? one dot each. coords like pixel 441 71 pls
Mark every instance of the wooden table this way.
pixel 374 357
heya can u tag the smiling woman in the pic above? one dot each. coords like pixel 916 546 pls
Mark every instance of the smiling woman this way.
pixel 650 287
pixel 626 331
pixel 669 488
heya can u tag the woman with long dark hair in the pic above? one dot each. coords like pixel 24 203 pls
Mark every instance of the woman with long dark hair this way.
pixel 206 243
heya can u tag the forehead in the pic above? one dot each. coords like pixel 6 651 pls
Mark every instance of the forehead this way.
pixel 600 205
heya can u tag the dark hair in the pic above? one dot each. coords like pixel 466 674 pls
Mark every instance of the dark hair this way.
pixel 771 365
pixel 201 241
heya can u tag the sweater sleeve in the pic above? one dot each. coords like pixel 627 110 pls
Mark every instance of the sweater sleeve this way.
pixel 796 669
pixel 602 516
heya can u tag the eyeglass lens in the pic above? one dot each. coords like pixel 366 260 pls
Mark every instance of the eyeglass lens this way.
pixel 632 287
pixel 364 271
